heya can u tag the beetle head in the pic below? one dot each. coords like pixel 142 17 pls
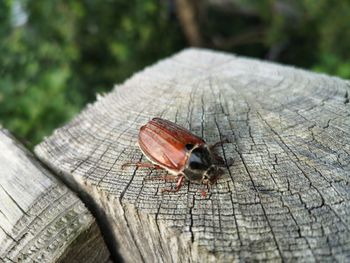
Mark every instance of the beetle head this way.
pixel 200 168
pixel 211 175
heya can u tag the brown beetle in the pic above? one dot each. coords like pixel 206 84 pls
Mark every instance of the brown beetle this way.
pixel 184 155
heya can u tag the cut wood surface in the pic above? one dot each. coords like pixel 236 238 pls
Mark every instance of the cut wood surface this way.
pixel 41 220
pixel 286 197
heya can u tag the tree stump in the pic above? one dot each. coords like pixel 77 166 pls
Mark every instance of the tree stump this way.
pixel 41 220
pixel 286 197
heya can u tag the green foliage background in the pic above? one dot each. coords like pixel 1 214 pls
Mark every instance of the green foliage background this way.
pixel 56 55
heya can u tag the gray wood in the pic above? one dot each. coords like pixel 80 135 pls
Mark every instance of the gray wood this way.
pixel 285 198
pixel 41 220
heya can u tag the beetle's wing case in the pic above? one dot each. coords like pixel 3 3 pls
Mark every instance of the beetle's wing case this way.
pixel 180 133
pixel 164 143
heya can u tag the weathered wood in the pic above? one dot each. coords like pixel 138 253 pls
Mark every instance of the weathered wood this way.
pixel 41 220
pixel 285 198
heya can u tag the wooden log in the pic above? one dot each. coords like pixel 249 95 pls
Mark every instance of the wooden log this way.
pixel 285 198
pixel 41 220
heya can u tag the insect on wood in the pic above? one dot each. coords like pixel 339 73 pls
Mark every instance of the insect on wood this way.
pixel 181 153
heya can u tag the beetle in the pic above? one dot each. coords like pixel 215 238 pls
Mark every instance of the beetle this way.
pixel 181 153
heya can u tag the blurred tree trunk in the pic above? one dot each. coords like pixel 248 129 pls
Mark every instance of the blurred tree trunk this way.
pixel 188 12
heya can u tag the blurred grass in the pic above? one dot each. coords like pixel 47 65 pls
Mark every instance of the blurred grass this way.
pixel 56 55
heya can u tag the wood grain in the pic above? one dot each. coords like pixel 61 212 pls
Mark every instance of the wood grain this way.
pixel 285 198
pixel 41 220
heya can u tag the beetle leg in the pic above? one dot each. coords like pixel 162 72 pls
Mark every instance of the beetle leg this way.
pixel 204 191
pixel 220 161
pixel 218 158
pixel 179 183
pixel 225 140
pixel 229 162
pixel 144 165
pixel 163 177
